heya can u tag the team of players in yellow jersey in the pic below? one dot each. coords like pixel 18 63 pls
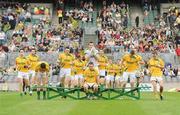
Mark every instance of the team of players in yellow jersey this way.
pixel 75 71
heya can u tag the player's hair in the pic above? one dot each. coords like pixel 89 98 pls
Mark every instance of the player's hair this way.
pixel 155 52
pixel 33 49
pixel 132 52
pixel 43 65
pixel 78 55
pixel 67 48
pixel 21 49
pixel 91 63
pixel 91 42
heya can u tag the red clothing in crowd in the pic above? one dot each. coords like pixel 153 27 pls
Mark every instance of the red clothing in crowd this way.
pixel 178 51
pixel 141 48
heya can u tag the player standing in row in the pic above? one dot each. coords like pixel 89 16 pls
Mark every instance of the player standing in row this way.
pixel 78 69
pixel 110 74
pixel 118 69
pixel 102 63
pixel 156 65
pixel 33 60
pixel 114 77
pixel 132 62
pixel 22 66
pixel 65 62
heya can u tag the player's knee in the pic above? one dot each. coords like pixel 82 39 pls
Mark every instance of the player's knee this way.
pixel 96 86
pixel 38 83
pixel 81 80
pixel 85 86
pixel 107 81
pixel 116 81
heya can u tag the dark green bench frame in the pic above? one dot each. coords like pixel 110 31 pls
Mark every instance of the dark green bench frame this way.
pixel 106 94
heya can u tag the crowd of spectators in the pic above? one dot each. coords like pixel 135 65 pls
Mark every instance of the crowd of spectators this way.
pixel 144 39
pixel 82 13
pixel 12 14
pixel 16 20
pixel 173 17
pixel 45 37
pixel 113 34
pixel 170 18
pixel 113 16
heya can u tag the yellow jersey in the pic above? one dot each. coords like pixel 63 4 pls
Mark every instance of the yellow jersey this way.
pixel 39 69
pixel 118 69
pixel 110 69
pixel 33 60
pixel 91 75
pixel 66 60
pixel 131 62
pixel 78 66
pixel 156 71
pixel 22 64
pixel 102 61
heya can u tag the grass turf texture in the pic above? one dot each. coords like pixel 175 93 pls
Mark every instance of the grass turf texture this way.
pixel 12 104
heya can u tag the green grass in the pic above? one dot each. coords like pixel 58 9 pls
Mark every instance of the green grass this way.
pixel 13 104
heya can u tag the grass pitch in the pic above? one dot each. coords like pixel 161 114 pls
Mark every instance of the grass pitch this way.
pixel 12 104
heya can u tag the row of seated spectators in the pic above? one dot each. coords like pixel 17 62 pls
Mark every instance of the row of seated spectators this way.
pixel 144 39
pixel 83 13
pixel 113 35
pixel 173 17
pixel 114 16
pixel 45 38
pixel 17 21
pixel 170 18
pixel 11 18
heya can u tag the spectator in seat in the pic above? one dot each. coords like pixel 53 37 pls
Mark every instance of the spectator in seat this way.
pixel 3 38
pixel 2 58
pixel 6 26
pixel 177 22
pixel 137 21
pixel 178 52
pixel 110 44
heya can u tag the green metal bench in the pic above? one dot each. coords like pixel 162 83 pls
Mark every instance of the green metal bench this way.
pixel 106 94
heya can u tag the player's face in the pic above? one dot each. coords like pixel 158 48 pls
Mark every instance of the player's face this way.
pixel 91 66
pixel 110 62
pixel 67 51
pixel 43 69
pixel 119 61
pixel 21 53
pixel 155 55
pixel 91 45
pixel 79 57
pixel 33 52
